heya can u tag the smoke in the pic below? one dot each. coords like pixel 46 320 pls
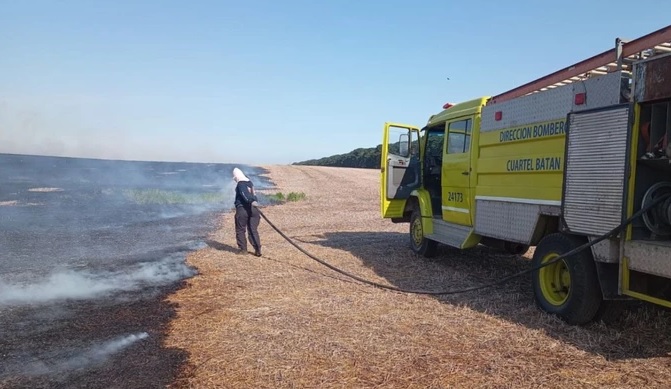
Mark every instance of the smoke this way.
pixel 81 285
pixel 101 210
pixel 94 355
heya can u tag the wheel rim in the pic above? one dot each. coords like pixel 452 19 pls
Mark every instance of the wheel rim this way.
pixel 555 280
pixel 417 233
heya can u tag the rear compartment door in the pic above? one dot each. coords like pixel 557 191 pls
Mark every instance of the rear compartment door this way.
pixel 456 194
pixel 399 166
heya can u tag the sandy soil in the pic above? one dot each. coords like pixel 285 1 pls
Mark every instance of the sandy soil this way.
pixel 285 321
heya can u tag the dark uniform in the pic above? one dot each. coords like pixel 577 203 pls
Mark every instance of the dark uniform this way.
pixel 247 217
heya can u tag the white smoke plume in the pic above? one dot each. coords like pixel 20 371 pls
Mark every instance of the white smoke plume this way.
pixel 81 285
pixel 94 355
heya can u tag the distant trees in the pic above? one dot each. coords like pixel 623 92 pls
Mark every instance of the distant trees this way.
pixel 368 158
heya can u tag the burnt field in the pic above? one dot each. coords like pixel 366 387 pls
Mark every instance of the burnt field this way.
pixel 90 250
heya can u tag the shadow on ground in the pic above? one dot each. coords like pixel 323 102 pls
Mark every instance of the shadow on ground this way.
pixel 221 246
pixel 640 331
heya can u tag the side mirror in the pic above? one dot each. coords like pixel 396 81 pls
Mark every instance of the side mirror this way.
pixel 404 144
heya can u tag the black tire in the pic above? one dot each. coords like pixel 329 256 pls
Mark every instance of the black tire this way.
pixel 418 242
pixel 570 287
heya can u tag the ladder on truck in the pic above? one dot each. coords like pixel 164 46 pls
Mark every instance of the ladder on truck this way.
pixel 620 58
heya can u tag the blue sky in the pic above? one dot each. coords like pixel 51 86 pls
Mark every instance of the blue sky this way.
pixel 264 82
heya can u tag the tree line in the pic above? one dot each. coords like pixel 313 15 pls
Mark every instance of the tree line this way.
pixel 368 158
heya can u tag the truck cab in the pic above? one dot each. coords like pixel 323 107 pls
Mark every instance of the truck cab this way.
pixel 429 175
pixel 575 162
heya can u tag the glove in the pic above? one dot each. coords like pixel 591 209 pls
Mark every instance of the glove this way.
pixel 255 204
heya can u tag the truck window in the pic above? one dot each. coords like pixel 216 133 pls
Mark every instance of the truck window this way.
pixel 434 143
pixel 459 136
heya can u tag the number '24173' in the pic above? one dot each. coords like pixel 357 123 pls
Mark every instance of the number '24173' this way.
pixel 455 196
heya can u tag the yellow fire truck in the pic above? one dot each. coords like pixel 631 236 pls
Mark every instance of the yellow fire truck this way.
pixel 556 163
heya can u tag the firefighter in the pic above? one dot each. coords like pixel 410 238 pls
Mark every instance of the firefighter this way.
pixel 247 217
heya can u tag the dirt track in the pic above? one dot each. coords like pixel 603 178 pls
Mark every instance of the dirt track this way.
pixel 284 321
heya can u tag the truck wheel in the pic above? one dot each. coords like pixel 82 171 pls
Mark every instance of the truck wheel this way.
pixel 418 243
pixel 570 287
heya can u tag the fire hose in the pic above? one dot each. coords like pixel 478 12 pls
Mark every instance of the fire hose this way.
pixel 649 203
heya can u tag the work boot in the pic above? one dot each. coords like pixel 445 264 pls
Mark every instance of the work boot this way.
pixel 257 253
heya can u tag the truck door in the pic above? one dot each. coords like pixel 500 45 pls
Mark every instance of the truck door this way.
pixel 456 197
pixel 400 169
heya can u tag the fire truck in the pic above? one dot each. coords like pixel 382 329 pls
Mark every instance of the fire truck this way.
pixel 559 163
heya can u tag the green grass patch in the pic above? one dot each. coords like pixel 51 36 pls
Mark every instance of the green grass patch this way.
pixel 293 196
pixel 157 196
pixel 277 197
pixel 280 197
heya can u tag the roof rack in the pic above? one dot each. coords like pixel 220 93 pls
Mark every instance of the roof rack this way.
pixel 619 58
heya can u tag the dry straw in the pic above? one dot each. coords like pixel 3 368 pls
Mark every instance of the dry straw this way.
pixel 284 321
